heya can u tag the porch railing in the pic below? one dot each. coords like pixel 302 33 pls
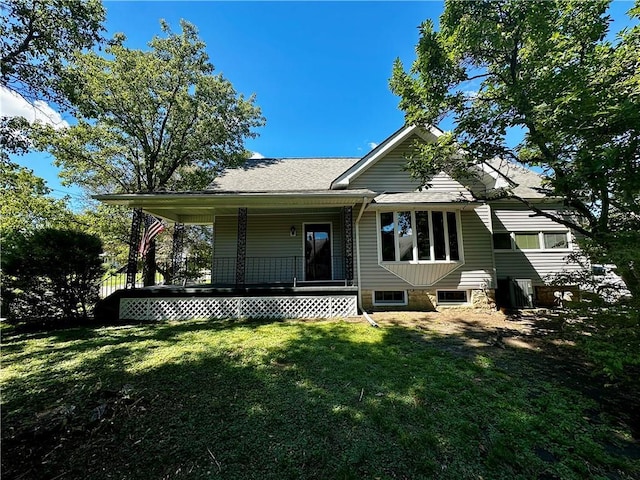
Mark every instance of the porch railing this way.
pixel 289 270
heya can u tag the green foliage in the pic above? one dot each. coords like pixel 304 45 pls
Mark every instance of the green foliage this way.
pixel 610 338
pixel 112 225
pixel 50 273
pixel 546 70
pixel 26 204
pixel 150 120
pixel 39 37
pixel 291 400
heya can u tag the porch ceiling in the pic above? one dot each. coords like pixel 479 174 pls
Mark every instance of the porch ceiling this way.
pixel 200 207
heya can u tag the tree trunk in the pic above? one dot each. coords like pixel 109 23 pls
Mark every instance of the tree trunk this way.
pixel 149 277
pixel 630 278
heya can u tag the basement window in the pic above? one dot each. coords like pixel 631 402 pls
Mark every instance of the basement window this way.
pixel 452 297
pixel 389 297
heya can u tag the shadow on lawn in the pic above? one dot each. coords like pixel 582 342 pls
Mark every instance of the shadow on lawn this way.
pixel 326 400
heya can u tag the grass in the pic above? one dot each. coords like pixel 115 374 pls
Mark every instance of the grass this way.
pixel 285 400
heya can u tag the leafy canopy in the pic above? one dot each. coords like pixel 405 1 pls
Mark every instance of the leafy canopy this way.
pixel 39 37
pixel 26 204
pixel 542 68
pixel 547 71
pixel 151 120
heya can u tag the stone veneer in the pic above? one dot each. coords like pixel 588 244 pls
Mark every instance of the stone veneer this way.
pixel 426 300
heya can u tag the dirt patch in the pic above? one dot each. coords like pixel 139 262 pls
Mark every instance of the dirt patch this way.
pixel 527 344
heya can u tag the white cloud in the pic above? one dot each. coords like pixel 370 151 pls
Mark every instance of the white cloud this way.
pixel 256 156
pixel 13 105
pixel 372 145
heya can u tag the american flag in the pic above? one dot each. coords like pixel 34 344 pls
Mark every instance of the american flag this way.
pixel 153 228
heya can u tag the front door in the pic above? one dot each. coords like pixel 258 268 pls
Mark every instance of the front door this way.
pixel 317 251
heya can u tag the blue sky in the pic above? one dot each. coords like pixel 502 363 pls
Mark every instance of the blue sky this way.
pixel 319 70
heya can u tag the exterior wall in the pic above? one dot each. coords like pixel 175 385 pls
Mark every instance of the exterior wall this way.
pixel 425 300
pixel 268 236
pixel 537 265
pixel 477 271
pixel 417 300
pixel 387 175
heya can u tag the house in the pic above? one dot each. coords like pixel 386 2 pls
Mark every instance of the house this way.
pixel 330 236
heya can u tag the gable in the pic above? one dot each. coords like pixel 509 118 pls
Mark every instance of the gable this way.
pixel 387 174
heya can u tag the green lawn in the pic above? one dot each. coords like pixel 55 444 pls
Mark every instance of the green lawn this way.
pixel 285 400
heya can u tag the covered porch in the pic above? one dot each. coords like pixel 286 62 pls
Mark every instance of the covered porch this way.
pixel 290 254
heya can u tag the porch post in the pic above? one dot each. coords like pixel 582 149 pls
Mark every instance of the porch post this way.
pixel 348 243
pixel 241 252
pixel 176 253
pixel 134 242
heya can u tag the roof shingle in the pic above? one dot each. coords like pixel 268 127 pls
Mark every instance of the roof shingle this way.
pixel 282 174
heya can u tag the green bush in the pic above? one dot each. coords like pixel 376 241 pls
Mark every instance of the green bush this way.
pixel 50 274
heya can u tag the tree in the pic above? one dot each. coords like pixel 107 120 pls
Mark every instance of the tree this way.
pixel 26 204
pixel 39 37
pixel 151 120
pixel 544 69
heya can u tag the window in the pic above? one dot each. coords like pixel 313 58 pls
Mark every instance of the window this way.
pixel 387 228
pixel 527 241
pixel 502 241
pixel 412 236
pixel 422 227
pixel 453 236
pixel 452 296
pixel 532 240
pixel 555 240
pixel 381 297
pixel 405 236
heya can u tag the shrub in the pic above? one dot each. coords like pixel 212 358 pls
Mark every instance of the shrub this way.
pixel 50 273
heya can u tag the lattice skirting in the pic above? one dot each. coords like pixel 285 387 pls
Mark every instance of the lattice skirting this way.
pixel 184 308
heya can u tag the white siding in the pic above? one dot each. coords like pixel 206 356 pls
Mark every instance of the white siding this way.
pixel 476 243
pixel 444 183
pixel 388 174
pixel 477 272
pixel 536 265
pixel 516 218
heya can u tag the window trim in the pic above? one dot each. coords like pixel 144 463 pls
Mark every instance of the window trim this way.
pixel 416 260
pixel 467 294
pixel 541 244
pixel 403 303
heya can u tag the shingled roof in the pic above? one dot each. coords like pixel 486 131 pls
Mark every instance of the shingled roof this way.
pixel 282 174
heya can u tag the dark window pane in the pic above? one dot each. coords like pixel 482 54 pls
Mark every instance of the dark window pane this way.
pixel 422 227
pixel 454 253
pixel 452 296
pixel 405 236
pixel 502 241
pixel 437 218
pixel 387 236
pixel 389 296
